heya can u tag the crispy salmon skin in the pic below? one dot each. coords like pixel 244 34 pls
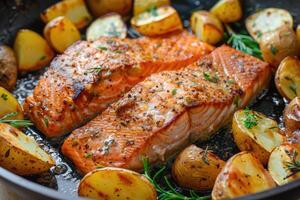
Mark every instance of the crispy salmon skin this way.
pixel 167 111
pixel 89 76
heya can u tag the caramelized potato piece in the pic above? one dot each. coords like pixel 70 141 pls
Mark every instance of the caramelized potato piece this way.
pixel 268 20
pixel 243 174
pixel 20 153
pixel 74 10
pixel 99 8
pixel 61 33
pixel 8 67
pixel 116 183
pixel 9 104
pixel 298 34
pixel 287 78
pixel 291 115
pixel 32 51
pixel 207 27
pixel 228 11
pixel 142 5
pixel 157 21
pixel 109 26
pixel 254 132
pixel 197 169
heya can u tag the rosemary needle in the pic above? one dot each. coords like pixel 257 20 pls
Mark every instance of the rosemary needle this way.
pixel 15 122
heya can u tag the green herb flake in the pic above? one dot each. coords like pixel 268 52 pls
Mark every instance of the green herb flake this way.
pixel 208 77
pixel 174 91
pixel 43 57
pixel 153 11
pixel 259 34
pixel 88 155
pixel 102 48
pixel 273 50
pixel 4 97
pixel 46 121
pixel 251 119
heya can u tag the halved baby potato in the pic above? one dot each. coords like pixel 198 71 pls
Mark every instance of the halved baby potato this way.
pixel 9 104
pixel 291 115
pixel 157 21
pixel 102 7
pixel 61 33
pixel 243 174
pixel 110 25
pixel 20 153
pixel 287 78
pixel 142 5
pixel 207 27
pixel 8 67
pixel 268 20
pixel 254 132
pixel 283 164
pixel 197 169
pixel 116 183
pixel 228 11
pixel 74 10
pixel 298 34
pixel 32 51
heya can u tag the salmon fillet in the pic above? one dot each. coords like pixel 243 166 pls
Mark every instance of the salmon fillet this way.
pixel 168 111
pixel 89 76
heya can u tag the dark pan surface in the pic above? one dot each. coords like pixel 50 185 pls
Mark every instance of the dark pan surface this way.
pixel 16 14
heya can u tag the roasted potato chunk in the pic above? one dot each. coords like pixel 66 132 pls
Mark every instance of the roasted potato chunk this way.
pixel 99 8
pixel 207 27
pixel 8 68
pixel 9 104
pixel 298 34
pixel 197 169
pixel 32 51
pixel 228 11
pixel 254 132
pixel 291 115
pixel 287 78
pixel 278 44
pixel 74 10
pixel 142 5
pixel 61 33
pixel 157 21
pixel 283 164
pixel 116 183
pixel 20 153
pixel 266 21
pixel 108 26
pixel 243 174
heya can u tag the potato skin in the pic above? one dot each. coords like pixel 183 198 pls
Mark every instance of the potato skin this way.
pixel 102 7
pixel 228 11
pixel 116 183
pixel 278 44
pixel 243 174
pixel 8 68
pixel 287 77
pixel 142 5
pixel 20 154
pixel 291 115
pixel 191 171
pixel 9 104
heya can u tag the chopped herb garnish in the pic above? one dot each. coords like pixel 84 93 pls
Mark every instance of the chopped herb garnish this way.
pixel 15 122
pixel 259 34
pixel 208 77
pixel 42 58
pixel 251 119
pixel 294 166
pixel 95 70
pixel 88 155
pixel 174 91
pixel 4 97
pixel 273 50
pixel 153 11
pixel 204 156
pixel 102 48
pixel 46 121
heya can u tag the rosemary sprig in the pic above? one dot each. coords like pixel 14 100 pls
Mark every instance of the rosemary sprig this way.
pixel 170 192
pixel 15 122
pixel 243 42
pixel 294 166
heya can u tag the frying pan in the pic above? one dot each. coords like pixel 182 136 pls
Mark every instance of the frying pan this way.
pixel 61 182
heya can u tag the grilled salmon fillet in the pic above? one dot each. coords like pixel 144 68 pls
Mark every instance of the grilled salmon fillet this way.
pixel 89 76
pixel 168 111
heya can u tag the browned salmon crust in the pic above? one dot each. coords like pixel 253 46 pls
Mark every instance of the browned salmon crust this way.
pixel 89 76
pixel 167 111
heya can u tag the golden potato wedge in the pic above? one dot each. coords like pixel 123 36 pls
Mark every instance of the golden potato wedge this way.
pixel 110 25
pixel 228 11
pixel 74 10
pixel 9 104
pixel 8 68
pixel 268 20
pixel 32 51
pixel 298 34
pixel 141 6
pixel 254 132
pixel 291 115
pixel 283 164
pixel 207 27
pixel 287 78
pixel 99 8
pixel 277 45
pixel 20 153
pixel 61 33
pixel 197 169
pixel 157 21
pixel 243 174
pixel 116 183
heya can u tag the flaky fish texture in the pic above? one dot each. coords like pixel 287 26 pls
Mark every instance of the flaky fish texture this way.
pixel 167 111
